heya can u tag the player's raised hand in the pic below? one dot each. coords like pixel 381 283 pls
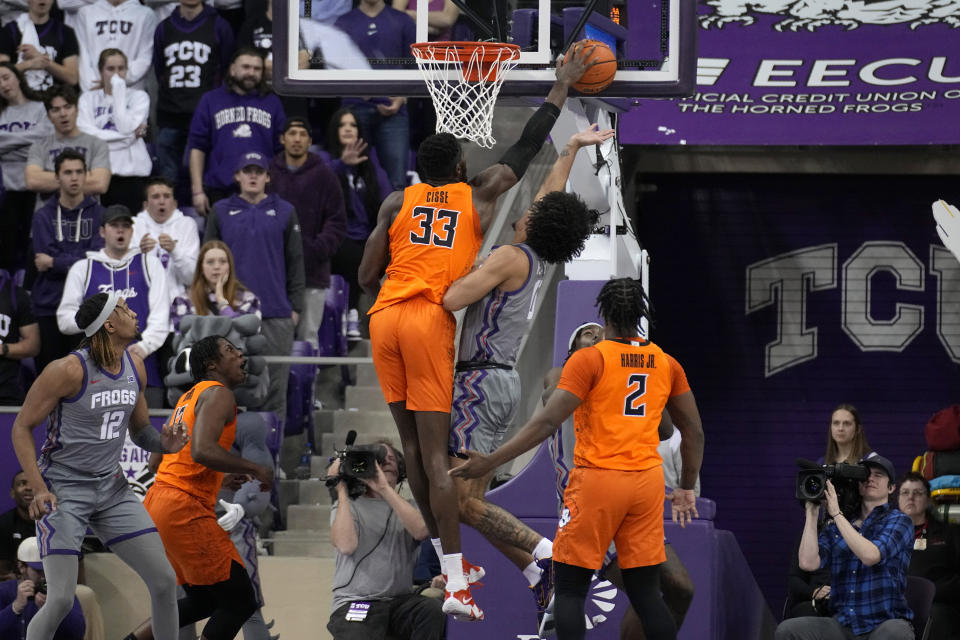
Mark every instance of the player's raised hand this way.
pixel 591 136
pixel 174 436
pixel 683 506
pixel 476 466
pixel 44 502
pixel 572 66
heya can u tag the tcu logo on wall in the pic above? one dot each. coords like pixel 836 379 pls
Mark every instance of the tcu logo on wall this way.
pixel 113 26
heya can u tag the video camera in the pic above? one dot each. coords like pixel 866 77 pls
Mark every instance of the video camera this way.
pixel 357 462
pixel 812 482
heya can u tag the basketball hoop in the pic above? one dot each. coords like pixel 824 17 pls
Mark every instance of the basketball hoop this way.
pixel 464 79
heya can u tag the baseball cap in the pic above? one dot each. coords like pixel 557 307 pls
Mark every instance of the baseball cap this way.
pixel 115 212
pixel 252 158
pixel 29 553
pixel 297 122
pixel 883 463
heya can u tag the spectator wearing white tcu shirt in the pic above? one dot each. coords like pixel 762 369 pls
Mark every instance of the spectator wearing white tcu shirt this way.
pixel 162 230
pixel 123 24
pixel 118 115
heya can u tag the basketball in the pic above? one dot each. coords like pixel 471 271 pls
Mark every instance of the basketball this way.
pixel 599 76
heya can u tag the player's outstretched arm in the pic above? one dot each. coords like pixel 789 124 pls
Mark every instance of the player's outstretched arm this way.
pixel 173 436
pixel 556 180
pixel 376 253
pixel 492 182
pixel 501 265
pixel 62 378
pixel 216 407
pixel 544 423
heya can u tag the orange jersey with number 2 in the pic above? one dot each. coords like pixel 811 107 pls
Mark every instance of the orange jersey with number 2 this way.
pixel 623 386
pixel 433 241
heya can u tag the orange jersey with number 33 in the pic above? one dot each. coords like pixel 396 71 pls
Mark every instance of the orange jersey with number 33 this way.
pixel 623 387
pixel 433 241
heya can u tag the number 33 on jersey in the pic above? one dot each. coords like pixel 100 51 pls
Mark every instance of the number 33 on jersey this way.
pixel 434 240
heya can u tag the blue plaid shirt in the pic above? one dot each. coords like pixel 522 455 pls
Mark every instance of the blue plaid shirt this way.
pixel 863 597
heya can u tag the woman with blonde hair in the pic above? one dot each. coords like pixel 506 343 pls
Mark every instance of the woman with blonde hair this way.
pixel 215 289
pixel 846 441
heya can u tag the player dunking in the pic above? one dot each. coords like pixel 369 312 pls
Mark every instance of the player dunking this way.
pixel 618 388
pixel 426 237
pixel 501 295
pixel 92 396
pixel 182 498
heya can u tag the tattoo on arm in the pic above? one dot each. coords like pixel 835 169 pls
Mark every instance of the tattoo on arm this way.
pixel 565 152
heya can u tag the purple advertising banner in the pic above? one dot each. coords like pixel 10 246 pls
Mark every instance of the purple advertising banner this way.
pixel 787 72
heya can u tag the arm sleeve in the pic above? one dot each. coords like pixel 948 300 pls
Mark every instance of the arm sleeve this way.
pixel 35 156
pixel 185 254
pixel 293 255
pixel 24 309
pixel 324 244
pixel 131 112
pixel 87 64
pixel 678 377
pixel 158 321
pixel 227 42
pixel 10 40
pixel 581 372
pixel 895 535
pixel 519 156
pixel 72 297
pixel 69 46
pixel 211 230
pixel 99 156
pixel 200 127
pixel 159 59
pixel 139 64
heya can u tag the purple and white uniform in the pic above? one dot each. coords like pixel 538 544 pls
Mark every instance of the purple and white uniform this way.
pixel 486 388
pixel 80 461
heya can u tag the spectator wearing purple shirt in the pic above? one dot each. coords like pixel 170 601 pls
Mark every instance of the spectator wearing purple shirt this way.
pixel 263 232
pixel 383 33
pixel 191 55
pixel 364 185
pixel 238 118
pixel 302 179
pixel 64 229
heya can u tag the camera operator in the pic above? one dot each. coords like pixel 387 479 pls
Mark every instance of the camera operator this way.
pixel 21 599
pixel 868 560
pixel 377 537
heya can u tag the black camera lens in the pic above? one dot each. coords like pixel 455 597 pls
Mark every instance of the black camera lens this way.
pixel 812 486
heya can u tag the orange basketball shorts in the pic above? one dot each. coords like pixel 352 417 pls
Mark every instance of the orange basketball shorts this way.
pixel 199 550
pixel 413 352
pixel 601 505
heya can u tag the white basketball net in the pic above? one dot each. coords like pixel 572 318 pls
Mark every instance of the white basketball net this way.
pixel 465 107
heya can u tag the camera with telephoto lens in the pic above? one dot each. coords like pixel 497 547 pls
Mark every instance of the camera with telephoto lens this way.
pixel 357 462
pixel 812 482
pixel 40 586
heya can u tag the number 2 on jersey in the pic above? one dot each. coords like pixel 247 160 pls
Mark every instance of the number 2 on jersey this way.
pixel 426 217
pixel 637 385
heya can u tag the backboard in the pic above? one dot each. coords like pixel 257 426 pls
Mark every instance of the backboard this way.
pixel 655 43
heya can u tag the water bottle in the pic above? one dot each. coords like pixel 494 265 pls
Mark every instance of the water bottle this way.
pixel 303 469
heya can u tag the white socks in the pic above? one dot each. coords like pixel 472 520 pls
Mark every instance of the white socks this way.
pixel 544 549
pixel 436 547
pixel 532 573
pixel 453 565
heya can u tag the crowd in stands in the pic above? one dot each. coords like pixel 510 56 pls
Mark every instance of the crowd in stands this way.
pixel 122 129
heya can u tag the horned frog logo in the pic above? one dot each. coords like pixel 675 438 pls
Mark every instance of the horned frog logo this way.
pixel 243 131
pixel 812 14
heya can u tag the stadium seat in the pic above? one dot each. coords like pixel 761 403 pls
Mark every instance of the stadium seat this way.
pixel 920 593
pixel 300 393
pixel 332 335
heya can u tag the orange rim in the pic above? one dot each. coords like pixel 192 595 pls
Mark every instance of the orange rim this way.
pixel 489 55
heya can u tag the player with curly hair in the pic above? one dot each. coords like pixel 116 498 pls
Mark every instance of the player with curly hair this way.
pixel 499 296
